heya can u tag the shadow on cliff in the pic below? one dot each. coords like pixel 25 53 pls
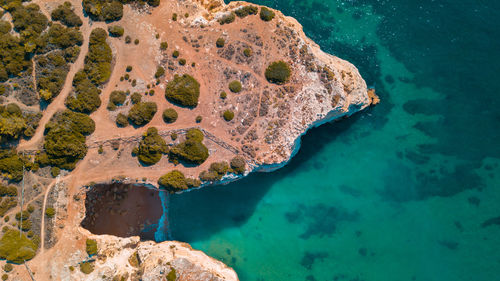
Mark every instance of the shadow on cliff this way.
pixel 198 214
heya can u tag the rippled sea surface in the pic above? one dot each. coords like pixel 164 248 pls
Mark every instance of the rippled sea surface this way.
pixel 408 190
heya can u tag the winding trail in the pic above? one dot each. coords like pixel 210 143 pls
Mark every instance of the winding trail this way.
pixel 59 102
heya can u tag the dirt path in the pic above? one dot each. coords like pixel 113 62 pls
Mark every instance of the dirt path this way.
pixel 58 103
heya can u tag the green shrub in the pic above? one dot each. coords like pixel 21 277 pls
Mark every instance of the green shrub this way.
pixel 220 42
pixel 87 267
pixel 216 171
pixel 10 191
pixel 54 171
pixel 135 98
pixel 128 39
pixel 182 61
pixel 116 98
pixel 163 46
pixel 7 204
pixel 247 52
pixel 223 95
pixel 5 276
pixel 121 120
pixel 173 181
pixel 174 16
pixel 160 71
pixel 238 165
pixel 183 90
pixel 136 42
pixel 116 31
pixel 235 86
pixel 278 72
pixel 228 115
pixel 91 247
pixel 11 164
pixel 25 225
pixel 65 14
pixel 134 259
pixel 173 136
pixel 50 212
pixel 129 68
pixel 266 14
pixel 247 10
pixel 151 147
pixel 5 27
pixel 103 10
pixel 98 60
pixel 198 119
pixel 170 115
pixel 7 267
pixel 191 150
pixel 52 69
pixel 84 102
pixel 142 112
pixel 172 275
pixel 175 54
pixel 16 247
pixel 226 19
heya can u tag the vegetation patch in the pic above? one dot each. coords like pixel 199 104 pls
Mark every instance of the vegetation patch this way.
pixel 12 163
pixel 172 275
pixel 142 112
pixel 266 14
pixel 220 42
pixel 216 171
pixel 103 10
pixel 160 71
pixel 238 165
pixel 235 86
pixel 247 10
pixel 116 98
pixel 191 150
pixel 65 14
pixel 183 91
pixel 278 72
pixel 14 123
pixel 121 120
pixel 176 181
pixel 170 115
pixel 227 19
pixel 116 31
pixel 16 247
pixel 228 115
pixel 50 212
pixel 247 52
pixel 87 267
pixel 151 147
pixel 91 247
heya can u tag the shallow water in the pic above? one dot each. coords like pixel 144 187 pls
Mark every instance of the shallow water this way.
pixel 407 190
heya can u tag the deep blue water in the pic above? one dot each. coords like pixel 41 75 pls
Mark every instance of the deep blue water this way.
pixel 408 190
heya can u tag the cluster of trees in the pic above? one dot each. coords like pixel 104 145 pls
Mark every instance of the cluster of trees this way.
pixel 11 164
pixel 96 71
pixel 191 150
pixel 65 139
pixel 247 10
pixel 151 147
pixel 14 123
pixel 215 172
pixel 116 98
pixel 65 14
pixel 183 91
pixel 16 247
pixel 176 181
pixel 111 10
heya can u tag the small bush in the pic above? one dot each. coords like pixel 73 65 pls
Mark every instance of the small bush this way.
pixel 174 181
pixel 173 136
pixel 198 119
pixel 129 68
pixel 266 14
pixel 16 247
pixel 247 10
pixel 141 113
pixel 172 275
pixel 223 95
pixel 175 54
pixel 191 150
pixel 183 90
pixel 5 276
pixel 247 52
pixel 116 31
pixel 136 41
pixel 116 98
pixel 87 267
pixel 91 247
pixel 182 61
pixel 174 16
pixel 220 42
pixel 121 120
pixel 134 259
pixel 228 115
pixel 227 19
pixel 50 212
pixel 170 115
pixel 128 40
pixel 54 171
pixel 238 165
pixel 160 71
pixel 235 86
pixel 163 46
pixel 216 171
pixel 135 98
pixel 278 72
pixel 7 267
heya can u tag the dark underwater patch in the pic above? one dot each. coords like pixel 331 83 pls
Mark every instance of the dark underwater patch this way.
pixel 309 258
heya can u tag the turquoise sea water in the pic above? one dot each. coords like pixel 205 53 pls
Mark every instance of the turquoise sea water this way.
pixel 408 190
